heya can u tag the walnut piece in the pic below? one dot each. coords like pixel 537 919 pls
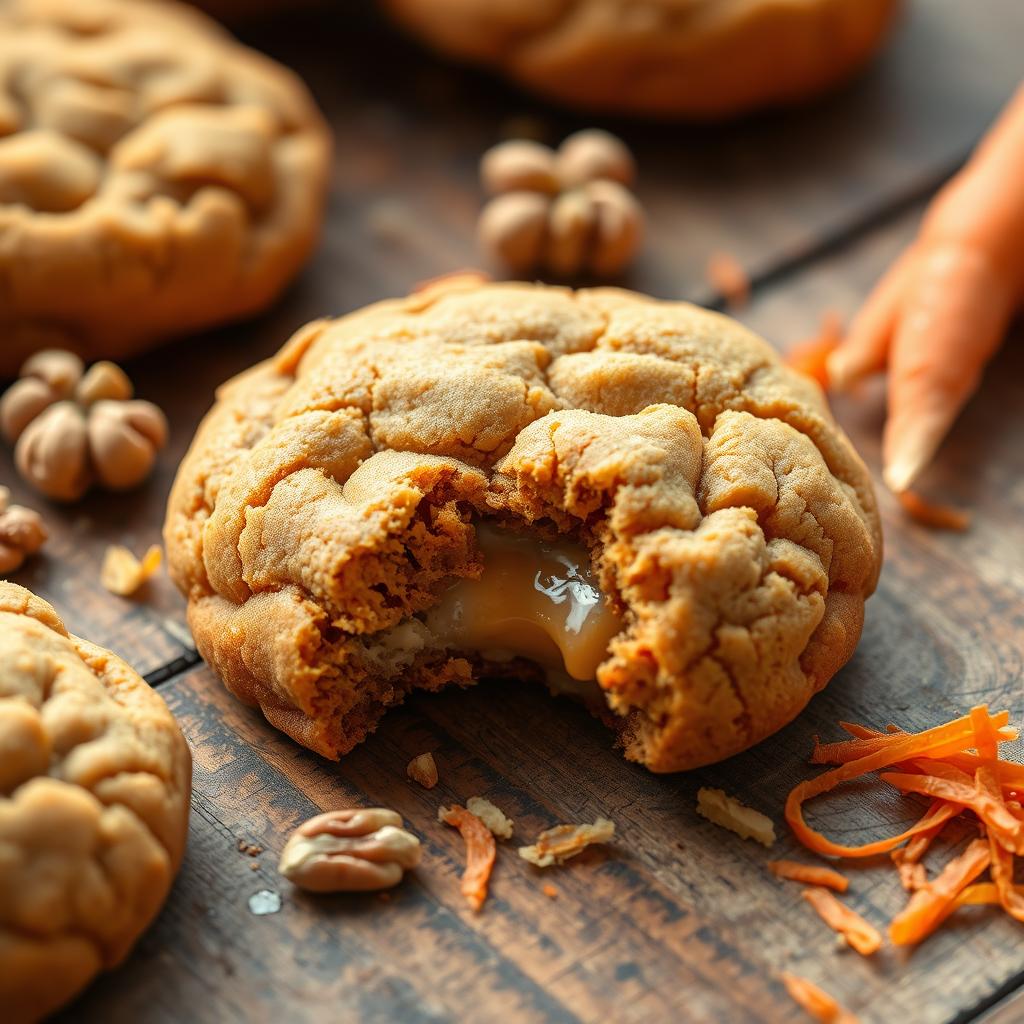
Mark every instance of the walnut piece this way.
pixel 423 769
pixel 728 812
pixel 570 212
pixel 22 533
pixel 72 429
pixel 122 573
pixel 352 850
pixel 556 845
pixel 493 817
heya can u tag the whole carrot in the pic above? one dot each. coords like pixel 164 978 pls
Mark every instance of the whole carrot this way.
pixel 941 311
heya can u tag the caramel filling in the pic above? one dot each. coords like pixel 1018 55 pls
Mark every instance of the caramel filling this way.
pixel 535 599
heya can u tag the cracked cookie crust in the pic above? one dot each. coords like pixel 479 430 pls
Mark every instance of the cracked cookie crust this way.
pixel 95 778
pixel 155 176
pixel 332 497
pixel 664 58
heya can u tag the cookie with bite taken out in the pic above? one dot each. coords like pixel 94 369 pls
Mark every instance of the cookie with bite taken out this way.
pixel 634 499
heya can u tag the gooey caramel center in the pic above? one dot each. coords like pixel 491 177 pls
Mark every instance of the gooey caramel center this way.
pixel 535 599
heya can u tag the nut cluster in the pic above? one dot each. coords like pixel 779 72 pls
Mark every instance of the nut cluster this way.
pixel 22 533
pixel 353 850
pixel 569 211
pixel 73 428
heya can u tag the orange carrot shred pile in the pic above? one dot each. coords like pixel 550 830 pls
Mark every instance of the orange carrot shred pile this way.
pixel 818 1003
pixel 956 765
pixel 860 934
pixel 809 874
pixel 931 514
pixel 810 357
pixel 480 852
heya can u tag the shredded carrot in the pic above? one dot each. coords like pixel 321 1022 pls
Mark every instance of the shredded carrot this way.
pixel 883 752
pixel 728 278
pixel 967 793
pixel 550 891
pixel 978 895
pixel 809 357
pixel 480 852
pixel 809 874
pixel 860 934
pixel 817 1002
pixel 930 906
pixel 932 514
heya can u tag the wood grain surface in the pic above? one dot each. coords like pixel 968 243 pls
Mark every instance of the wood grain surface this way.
pixel 677 919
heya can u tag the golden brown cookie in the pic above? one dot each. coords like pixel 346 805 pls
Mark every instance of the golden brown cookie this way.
pixel 155 176
pixel 95 778
pixel 356 507
pixel 688 58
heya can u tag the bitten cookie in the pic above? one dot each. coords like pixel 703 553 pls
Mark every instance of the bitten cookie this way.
pixel 689 58
pixel 155 176
pixel 482 478
pixel 95 779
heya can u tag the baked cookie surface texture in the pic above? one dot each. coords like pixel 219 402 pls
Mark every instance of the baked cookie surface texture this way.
pixel 664 58
pixel 95 778
pixel 344 505
pixel 155 176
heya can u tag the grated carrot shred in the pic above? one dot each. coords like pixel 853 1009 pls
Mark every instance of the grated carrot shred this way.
pixel 863 936
pixel 811 357
pixel 930 906
pixel 816 1001
pixel 932 514
pixel 958 765
pixel 480 852
pixel 809 874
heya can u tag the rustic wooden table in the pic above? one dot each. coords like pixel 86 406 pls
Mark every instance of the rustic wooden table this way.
pixel 678 920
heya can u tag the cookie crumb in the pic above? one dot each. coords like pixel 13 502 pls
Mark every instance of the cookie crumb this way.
pixel 729 813
pixel 493 817
pixel 556 845
pixel 423 769
pixel 122 573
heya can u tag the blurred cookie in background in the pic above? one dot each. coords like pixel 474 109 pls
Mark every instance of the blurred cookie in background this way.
pixel 156 177
pixel 662 58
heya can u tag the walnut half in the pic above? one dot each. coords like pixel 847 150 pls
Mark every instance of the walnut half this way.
pixel 353 850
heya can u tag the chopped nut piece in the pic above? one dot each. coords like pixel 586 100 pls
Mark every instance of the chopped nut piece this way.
pixel 728 812
pixel 493 817
pixel 22 533
pixel 558 844
pixel 122 573
pixel 354 850
pixel 423 769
